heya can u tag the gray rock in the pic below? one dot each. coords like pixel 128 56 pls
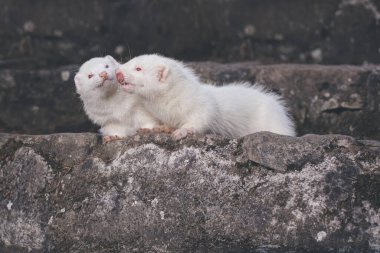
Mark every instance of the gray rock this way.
pixel 298 31
pixel 147 193
pixel 322 99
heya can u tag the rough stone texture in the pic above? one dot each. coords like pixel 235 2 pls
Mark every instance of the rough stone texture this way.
pixel 44 33
pixel 322 99
pixel 262 193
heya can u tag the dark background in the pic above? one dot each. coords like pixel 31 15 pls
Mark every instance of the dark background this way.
pixel 42 43
pixel 39 33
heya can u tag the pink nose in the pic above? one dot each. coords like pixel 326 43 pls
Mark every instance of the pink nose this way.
pixel 119 76
pixel 103 75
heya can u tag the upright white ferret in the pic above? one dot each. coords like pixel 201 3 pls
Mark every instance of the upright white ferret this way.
pixel 175 95
pixel 118 113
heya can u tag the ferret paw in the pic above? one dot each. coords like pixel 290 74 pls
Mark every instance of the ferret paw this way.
pixel 145 130
pixel 163 129
pixel 182 133
pixel 109 138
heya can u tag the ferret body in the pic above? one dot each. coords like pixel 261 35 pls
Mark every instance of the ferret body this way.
pixel 175 95
pixel 247 109
pixel 116 112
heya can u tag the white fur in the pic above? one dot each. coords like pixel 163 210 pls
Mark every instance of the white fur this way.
pixel 175 95
pixel 246 109
pixel 117 112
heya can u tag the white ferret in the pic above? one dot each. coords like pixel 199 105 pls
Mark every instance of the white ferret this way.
pixel 175 95
pixel 118 113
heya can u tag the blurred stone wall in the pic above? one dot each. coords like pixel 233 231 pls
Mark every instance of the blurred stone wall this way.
pixel 41 33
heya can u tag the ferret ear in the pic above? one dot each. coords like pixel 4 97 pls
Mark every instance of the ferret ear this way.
pixel 77 79
pixel 110 58
pixel 163 73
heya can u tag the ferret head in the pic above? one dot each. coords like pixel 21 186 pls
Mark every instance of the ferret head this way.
pixel 151 74
pixel 97 75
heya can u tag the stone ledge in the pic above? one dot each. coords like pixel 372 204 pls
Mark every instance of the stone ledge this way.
pixel 147 193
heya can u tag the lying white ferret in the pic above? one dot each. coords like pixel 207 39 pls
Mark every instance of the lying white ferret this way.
pixel 118 113
pixel 175 95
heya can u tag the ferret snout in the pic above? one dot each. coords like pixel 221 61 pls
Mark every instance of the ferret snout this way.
pixel 103 75
pixel 119 76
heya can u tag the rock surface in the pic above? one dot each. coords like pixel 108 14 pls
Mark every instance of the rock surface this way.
pixel 322 99
pixel 298 31
pixel 147 193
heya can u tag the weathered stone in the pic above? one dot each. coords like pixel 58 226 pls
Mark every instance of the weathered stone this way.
pixel 147 193
pixel 322 99
pixel 272 31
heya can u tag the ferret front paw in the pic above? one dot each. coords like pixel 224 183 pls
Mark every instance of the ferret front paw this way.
pixel 182 133
pixel 109 138
pixel 144 130
pixel 163 129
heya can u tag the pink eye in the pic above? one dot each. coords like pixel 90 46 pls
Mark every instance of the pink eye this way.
pixel 90 76
pixel 138 69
